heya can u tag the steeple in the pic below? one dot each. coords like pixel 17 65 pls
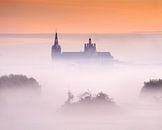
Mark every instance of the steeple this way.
pixel 56 39
pixel 56 48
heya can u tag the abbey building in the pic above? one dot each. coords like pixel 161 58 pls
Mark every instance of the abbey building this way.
pixel 90 52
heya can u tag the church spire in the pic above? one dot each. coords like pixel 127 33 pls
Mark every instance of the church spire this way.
pixel 56 48
pixel 56 39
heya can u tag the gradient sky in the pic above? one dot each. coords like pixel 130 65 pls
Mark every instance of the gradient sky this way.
pixel 80 16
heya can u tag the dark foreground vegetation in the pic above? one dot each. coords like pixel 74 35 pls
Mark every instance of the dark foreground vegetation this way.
pixel 152 89
pixel 152 85
pixel 89 103
pixel 18 81
pixel 19 89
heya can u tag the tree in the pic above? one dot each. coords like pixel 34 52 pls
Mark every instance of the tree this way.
pixel 17 81
pixel 70 97
pixel 87 98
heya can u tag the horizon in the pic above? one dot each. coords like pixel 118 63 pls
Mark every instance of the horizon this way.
pixel 86 33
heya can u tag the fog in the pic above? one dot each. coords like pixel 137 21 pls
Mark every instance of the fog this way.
pixel 140 60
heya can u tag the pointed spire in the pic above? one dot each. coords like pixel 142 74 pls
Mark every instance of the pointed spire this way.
pixel 56 39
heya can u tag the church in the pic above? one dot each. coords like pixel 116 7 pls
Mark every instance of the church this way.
pixel 89 53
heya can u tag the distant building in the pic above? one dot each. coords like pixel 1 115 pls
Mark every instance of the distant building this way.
pixel 89 52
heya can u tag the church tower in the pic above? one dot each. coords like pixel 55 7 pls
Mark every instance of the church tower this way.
pixel 90 48
pixel 56 48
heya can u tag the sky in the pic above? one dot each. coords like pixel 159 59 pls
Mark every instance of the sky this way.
pixel 80 16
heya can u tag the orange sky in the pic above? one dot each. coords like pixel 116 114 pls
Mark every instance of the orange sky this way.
pixel 80 16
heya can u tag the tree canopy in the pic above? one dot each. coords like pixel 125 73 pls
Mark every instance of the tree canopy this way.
pixel 17 81
pixel 89 98
pixel 152 85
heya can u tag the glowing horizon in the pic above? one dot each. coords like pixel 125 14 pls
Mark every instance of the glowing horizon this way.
pixel 80 16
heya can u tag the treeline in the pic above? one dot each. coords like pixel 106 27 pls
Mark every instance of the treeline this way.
pixel 90 99
pixel 18 81
pixel 153 84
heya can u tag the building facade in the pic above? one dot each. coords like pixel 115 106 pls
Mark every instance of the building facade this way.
pixel 90 52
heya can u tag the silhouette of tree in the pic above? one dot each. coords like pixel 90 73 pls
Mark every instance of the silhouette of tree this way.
pixel 152 90
pixel 102 98
pixel 17 81
pixel 70 97
pixel 87 98
pixel 152 85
